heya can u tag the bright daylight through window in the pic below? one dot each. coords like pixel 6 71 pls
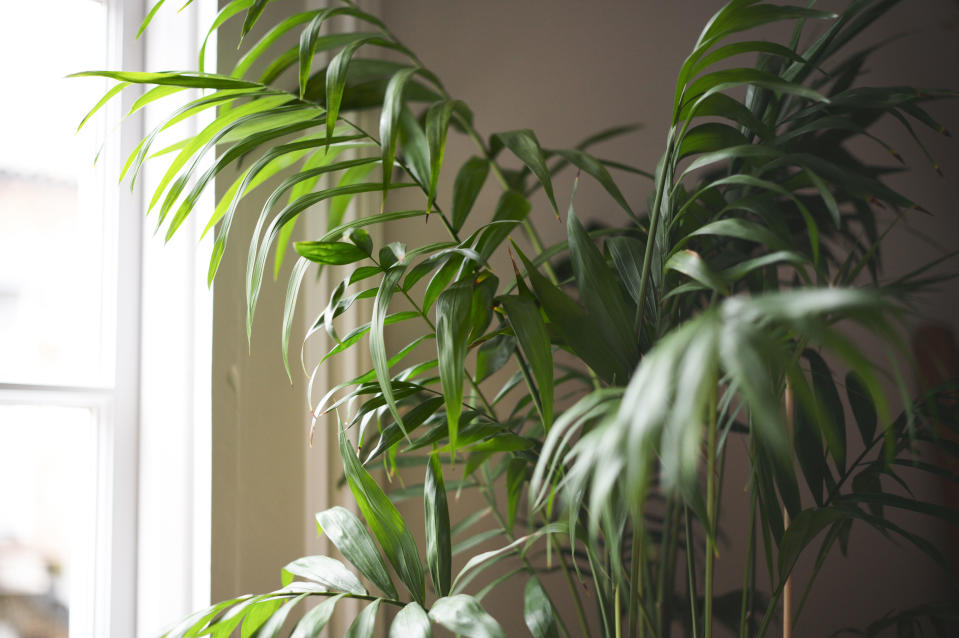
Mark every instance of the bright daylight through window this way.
pixel 63 411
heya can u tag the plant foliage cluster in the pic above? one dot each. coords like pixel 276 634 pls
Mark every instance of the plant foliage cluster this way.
pixel 714 311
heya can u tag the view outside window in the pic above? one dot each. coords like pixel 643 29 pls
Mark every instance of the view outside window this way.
pixel 56 265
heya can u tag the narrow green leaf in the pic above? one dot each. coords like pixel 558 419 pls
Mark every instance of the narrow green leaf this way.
pixel 316 619
pixel 334 253
pixel 600 292
pixel 438 549
pixel 466 188
pixel 627 255
pixel 695 267
pixel 452 327
pixel 511 209
pixel 533 339
pixel 801 531
pixel 593 167
pixel 271 628
pixel 378 340
pixel 383 518
pixel 349 535
pixel 525 146
pixel 515 479
pixel 411 622
pixel 416 152
pixel 832 419
pixel 192 79
pixel 862 407
pixel 462 614
pixel 253 15
pixel 326 571
pixel 114 90
pixel 437 124
pixel 389 118
pixel 256 616
pixel 365 622
pixel 538 610
pixel 336 81
pixel 493 355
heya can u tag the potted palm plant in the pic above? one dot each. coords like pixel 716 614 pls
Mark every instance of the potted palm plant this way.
pixel 591 396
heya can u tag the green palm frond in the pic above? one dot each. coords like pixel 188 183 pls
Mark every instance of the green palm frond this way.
pixel 717 308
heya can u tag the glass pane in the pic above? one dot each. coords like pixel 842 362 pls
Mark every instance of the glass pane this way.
pixel 47 520
pixel 51 214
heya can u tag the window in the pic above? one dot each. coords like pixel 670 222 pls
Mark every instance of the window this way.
pixel 104 514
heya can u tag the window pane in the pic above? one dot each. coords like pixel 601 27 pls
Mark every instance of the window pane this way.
pixel 52 226
pixel 47 520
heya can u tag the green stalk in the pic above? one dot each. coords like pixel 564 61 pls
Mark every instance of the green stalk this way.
pixel 748 573
pixel 635 581
pixel 487 490
pixel 711 516
pixel 618 614
pixel 691 572
pixel 580 611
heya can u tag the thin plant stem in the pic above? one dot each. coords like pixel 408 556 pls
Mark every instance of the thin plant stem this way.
pixel 710 515
pixel 618 613
pixel 788 585
pixel 487 490
pixel 745 607
pixel 580 611
pixel 691 573
pixel 635 579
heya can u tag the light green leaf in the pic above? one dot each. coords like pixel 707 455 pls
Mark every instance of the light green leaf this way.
pixel 383 518
pixel 271 628
pixel 389 118
pixel 348 533
pixel 365 623
pixel 411 622
pixel 326 571
pixel 315 620
pixel 464 615
pixel 334 253
pixel 538 610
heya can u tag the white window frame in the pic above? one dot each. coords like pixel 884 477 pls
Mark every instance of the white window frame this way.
pixel 155 287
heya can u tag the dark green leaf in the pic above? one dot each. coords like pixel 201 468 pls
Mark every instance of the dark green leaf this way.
pixel 533 340
pixel 389 117
pixel 862 407
pixel 437 123
pixel 469 181
pixel 601 293
pixel 525 146
pixel 452 328
pixel 593 167
pixel 378 341
pixel 438 549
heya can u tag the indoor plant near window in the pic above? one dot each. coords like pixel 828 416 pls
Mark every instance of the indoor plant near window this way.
pixel 638 352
